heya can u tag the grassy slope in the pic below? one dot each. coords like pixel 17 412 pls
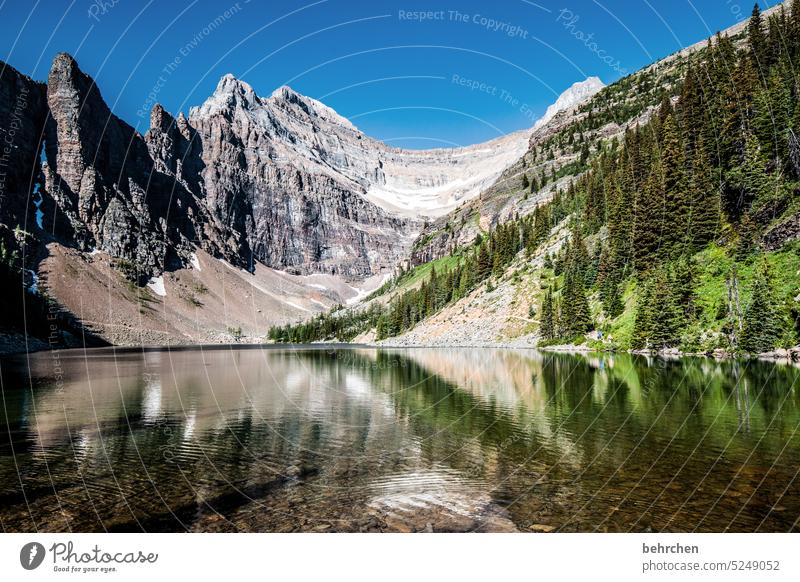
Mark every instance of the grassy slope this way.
pixel 414 277
pixel 711 296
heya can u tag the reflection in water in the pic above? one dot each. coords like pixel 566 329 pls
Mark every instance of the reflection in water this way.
pixel 318 439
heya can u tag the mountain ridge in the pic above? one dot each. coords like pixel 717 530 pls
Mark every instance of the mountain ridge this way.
pixel 399 180
pixel 282 182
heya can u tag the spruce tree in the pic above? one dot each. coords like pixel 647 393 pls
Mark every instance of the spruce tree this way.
pixel 484 263
pixel 547 323
pixel 465 282
pixel 667 317
pixel 704 220
pixel 749 181
pixel 761 325
pixel 658 318
pixel 380 329
pixel 608 283
pixel 649 219
pixel 756 39
pixel 576 316
pixel 683 283
pixel 676 206
pixel 643 318
pixel 584 157
pixel 541 225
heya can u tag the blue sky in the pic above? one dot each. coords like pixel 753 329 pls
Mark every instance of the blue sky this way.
pixel 463 72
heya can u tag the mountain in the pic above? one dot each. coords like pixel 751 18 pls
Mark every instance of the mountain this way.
pixel 23 111
pixel 554 167
pixel 270 171
pixel 281 183
pixel 294 130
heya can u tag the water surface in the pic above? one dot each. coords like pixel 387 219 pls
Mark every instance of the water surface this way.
pixel 350 439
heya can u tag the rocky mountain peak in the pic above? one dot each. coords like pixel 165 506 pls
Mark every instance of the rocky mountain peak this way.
pixel 285 95
pixel 286 92
pixel 183 124
pixel 67 83
pixel 298 133
pixel 64 62
pixel 575 94
pixel 23 111
pixel 160 119
pixel 231 93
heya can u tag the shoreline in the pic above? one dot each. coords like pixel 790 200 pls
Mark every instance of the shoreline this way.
pixel 13 344
pixel 789 354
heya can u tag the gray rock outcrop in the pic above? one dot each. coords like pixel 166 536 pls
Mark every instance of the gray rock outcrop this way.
pixel 23 110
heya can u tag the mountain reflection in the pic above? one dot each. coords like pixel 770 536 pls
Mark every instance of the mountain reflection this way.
pixel 329 439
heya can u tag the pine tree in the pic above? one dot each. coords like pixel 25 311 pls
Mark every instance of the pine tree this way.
pixel 683 283
pixel 756 39
pixel 649 221
pixel 576 317
pixel 704 220
pixel 381 328
pixel 547 323
pixel 749 181
pixel 734 83
pixel 584 157
pixel 484 264
pixel 665 109
pixel 658 318
pixel 643 319
pixel 541 225
pixel 690 108
pixel 608 282
pixel 772 110
pixel 746 239
pixel 466 282
pixel 667 318
pixel 761 325
pixel 676 205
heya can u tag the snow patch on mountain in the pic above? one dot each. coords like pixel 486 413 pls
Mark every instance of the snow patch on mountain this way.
pixel 156 285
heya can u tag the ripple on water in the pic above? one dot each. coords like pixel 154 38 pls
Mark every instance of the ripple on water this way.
pixel 436 500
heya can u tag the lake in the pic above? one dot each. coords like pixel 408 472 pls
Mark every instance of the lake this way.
pixel 321 438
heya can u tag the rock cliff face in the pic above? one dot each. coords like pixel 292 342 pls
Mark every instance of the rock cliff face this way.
pixel 290 129
pixel 23 110
pixel 281 194
pixel 112 193
pixel 309 192
pixel 575 95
